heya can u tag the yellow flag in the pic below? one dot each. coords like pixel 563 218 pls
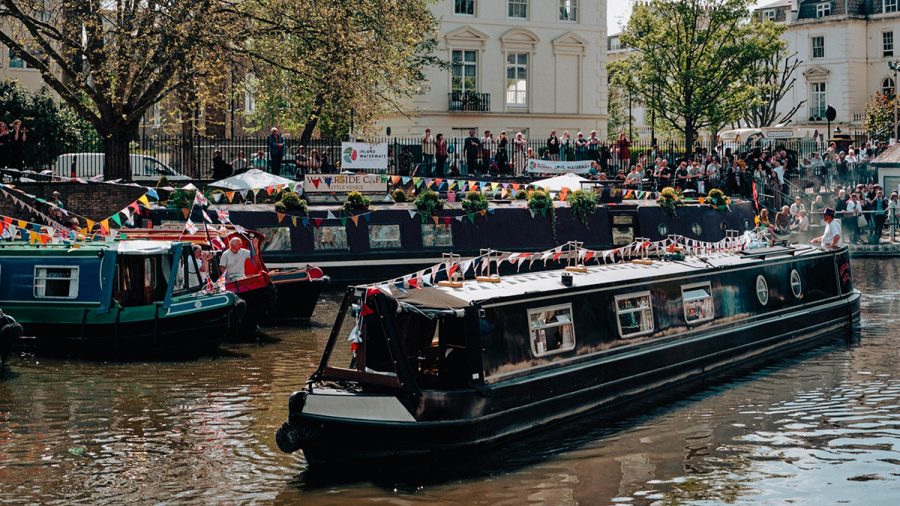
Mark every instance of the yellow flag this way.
pixel 144 200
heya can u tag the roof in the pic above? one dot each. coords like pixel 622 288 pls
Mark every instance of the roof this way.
pixel 891 156
pixel 253 178
pixel 517 285
pixel 775 5
pixel 143 247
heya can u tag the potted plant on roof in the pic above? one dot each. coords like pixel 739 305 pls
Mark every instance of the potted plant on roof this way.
pixel 670 200
pixel 475 202
pixel 583 204
pixel 717 199
pixel 540 202
pixel 427 203
pixel 290 201
pixel 356 203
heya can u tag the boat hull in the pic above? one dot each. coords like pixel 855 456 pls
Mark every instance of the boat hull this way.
pixel 260 295
pixel 118 335
pixel 561 394
pixel 9 331
pixel 298 295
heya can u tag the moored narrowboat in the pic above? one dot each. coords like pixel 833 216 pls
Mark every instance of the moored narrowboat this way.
pixel 9 331
pixel 440 361
pixel 117 300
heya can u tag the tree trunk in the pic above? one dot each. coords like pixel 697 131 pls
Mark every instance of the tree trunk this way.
pixel 689 135
pixel 117 164
pixel 310 125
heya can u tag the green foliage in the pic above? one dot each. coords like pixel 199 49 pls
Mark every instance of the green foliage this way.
pixel 52 129
pixel 879 122
pixel 521 195
pixel 399 195
pixel 583 204
pixel 540 202
pixel 670 200
pixel 717 200
pixel 179 198
pixel 427 203
pixel 475 202
pixel 290 201
pixel 693 60
pixel 347 63
pixel 356 202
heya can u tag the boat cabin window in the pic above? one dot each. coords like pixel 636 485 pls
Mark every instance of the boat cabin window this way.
pixel 435 348
pixel 436 236
pixel 330 237
pixel 55 282
pixel 384 237
pixel 552 330
pixel 634 314
pixel 698 302
pixel 277 239
pixel 138 280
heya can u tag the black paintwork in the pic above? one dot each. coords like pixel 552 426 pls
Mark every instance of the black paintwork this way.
pixel 601 370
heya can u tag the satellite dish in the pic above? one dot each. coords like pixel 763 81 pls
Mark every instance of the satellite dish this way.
pixel 830 113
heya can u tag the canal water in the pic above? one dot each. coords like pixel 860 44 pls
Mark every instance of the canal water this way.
pixel 819 428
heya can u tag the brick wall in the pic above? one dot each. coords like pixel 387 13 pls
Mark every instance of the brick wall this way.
pixel 94 201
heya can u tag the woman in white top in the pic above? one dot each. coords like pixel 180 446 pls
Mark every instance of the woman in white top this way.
pixel 519 148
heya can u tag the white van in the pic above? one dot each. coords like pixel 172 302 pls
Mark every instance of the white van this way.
pixel 144 168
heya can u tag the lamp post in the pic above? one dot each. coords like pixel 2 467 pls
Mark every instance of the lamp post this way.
pixel 894 66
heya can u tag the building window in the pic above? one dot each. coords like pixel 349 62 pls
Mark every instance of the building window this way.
pixel 464 71
pixel 796 284
pixel 568 10
pixel 384 237
pixel 518 9
pixel 634 314
pixel 55 282
pixel 330 237
pixel 823 9
pixel 517 79
pixel 698 302
pixel 15 62
pixel 817 101
pixel 436 236
pixel 889 6
pixel 464 7
pixel 887 43
pixel 768 15
pixel 762 290
pixel 552 330
pixel 818 46
pixel 887 87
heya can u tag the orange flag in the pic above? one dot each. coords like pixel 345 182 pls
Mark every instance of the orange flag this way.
pixel 355 219
pixel 186 212
pixel 280 216
pixel 563 194
pixel 229 196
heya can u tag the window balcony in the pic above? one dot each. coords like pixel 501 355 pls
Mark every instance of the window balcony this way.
pixel 469 101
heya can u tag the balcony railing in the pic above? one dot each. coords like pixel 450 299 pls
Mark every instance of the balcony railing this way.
pixel 469 101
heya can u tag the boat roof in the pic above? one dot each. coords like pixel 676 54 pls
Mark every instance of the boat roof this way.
pixel 616 274
pixel 122 247
pixel 143 247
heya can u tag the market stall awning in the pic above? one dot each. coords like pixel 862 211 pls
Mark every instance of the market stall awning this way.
pixel 555 184
pixel 253 179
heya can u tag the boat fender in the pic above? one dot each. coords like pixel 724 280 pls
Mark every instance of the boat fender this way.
pixel 288 438
pixel 11 331
pixel 297 402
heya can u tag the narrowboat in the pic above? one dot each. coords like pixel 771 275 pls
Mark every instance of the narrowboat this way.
pixel 391 239
pixel 290 295
pixel 117 300
pixel 10 330
pixel 437 364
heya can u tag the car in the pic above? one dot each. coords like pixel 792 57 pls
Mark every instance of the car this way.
pixel 144 168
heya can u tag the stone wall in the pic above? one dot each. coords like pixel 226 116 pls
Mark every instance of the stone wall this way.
pixel 95 201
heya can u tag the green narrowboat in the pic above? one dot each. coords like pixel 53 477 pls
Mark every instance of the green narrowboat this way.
pixel 114 300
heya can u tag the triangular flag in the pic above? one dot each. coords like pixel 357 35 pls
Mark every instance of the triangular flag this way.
pixel 355 219
pixel 90 225
pixel 412 213
pixel 317 222
pixel 280 216
pixel 144 200
pixel 229 196
pixel 294 220
pixel 116 219
pixel 330 216
pixel 436 219
pixel 185 211
pixel 343 221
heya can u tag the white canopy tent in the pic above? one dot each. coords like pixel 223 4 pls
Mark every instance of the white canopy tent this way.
pixel 251 180
pixel 556 184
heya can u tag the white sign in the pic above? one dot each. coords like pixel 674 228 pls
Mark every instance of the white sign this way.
pixel 362 155
pixel 363 183
pixel 551 167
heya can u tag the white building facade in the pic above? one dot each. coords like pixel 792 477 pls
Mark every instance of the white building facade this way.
pixel 845 47
pixel 516 65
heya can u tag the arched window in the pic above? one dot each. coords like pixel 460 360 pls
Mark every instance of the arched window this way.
pixel 887 87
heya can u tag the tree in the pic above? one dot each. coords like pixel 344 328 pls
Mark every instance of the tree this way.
pixel 52 129
pixel 692 59
pixel 774 80
pixel 111 61
pixel 879 122
pixel 339 74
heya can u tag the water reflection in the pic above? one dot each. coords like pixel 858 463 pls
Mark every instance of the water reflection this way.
pixel 821 427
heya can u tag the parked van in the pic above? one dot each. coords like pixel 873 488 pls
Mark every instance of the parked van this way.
pixel 144 168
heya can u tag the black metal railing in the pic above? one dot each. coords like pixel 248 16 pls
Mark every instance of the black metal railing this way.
pixel 469 101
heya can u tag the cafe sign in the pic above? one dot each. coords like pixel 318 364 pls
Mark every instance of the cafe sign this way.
pixel 340 183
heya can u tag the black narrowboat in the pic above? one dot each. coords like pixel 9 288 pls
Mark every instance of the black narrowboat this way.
pixel 392 239
pixel 468 362
pixel 10 330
